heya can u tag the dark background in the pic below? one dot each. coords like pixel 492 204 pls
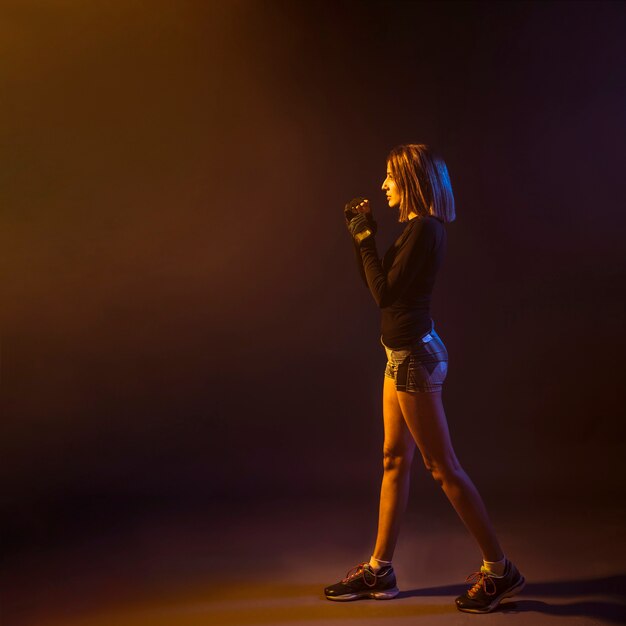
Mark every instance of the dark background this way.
pixel 182 320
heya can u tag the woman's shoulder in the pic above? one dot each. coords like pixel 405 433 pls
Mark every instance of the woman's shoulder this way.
pixel 431 219
pixel 427 223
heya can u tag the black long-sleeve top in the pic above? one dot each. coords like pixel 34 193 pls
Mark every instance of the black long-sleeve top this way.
pixel 402 282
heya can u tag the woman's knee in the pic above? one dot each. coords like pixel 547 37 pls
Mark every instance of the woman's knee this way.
pixel 444 473
pixel 397 460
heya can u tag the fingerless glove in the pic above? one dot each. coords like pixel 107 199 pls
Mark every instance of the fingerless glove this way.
pixel 362 226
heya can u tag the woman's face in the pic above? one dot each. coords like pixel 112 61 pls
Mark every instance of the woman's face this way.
pixel 391 190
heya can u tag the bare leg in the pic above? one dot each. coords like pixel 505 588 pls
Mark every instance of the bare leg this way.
pixel 426 419
pixel 398 452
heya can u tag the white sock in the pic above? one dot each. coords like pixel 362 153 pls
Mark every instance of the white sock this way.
pixel 495 568
pixel 377 564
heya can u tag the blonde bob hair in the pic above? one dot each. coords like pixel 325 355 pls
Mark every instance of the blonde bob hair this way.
pixel 423 182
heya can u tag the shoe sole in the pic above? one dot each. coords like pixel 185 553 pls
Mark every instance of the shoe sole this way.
pixel 387 594
pixel 508 594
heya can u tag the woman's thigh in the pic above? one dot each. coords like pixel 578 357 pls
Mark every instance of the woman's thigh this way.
pixel 398 438
pixel 426 420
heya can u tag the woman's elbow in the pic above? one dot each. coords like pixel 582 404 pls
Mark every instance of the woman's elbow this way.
pixel 382 300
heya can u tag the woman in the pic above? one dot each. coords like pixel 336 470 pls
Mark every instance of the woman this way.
pixel 417 183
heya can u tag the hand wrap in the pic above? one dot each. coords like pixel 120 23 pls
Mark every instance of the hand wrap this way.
pixel 362 226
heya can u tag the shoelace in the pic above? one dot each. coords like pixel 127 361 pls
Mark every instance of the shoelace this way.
pixel 482 580
pixel 361 570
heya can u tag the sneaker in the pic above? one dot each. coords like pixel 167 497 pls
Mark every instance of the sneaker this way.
pixel 488 590
pixel 362 582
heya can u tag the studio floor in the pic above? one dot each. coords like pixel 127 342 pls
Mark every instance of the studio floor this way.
pixel 268 562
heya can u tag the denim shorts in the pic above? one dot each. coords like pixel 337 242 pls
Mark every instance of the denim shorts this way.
pixel 421 367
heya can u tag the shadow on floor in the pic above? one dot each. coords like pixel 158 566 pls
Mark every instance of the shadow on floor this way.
pixel 609 586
